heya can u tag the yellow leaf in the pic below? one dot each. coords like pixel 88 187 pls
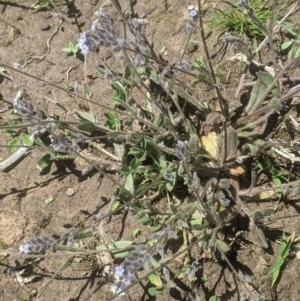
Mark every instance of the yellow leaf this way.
pixel 210 144
pixel 266 195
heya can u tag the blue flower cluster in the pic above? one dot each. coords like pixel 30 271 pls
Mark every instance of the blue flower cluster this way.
pixel 38 245
pixel 83 45
pixel 123 277
pixel 125 272
pixel 101 34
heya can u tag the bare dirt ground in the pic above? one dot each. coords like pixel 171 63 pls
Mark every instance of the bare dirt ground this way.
pixel 35 41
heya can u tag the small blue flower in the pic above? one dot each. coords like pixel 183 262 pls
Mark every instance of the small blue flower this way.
pixel 94 25
pixel 127 281
pixel 243 3
pixel 193 12
pixel 119 271
pixel 82 42
pixel 25 248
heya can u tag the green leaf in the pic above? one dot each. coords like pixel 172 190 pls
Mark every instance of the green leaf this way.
pixel 129 185
pixel 213 298
pixel 115 206
pixel 275 277
pixel 197 221
pixel 87 90
pixel 87 116
pixel 276 266
pixel 253 149
pixel 13 145
pixel 126 73
pixel 66 49
pixel 287 45
pixel 44 162
pixel 155 263
pixel 155 280
pixel 297 53
pixel 118 99
pixel 275 270
pixel 162 49
pixel 155 228
pixel 276 104
pixel 277 181
pixel 117 86
pixel 143 71
pixel 48 200
pixel 39 142
pixel 285 245
pixel 154 291
pixel 136 232
pixel 122 244
pixel 134 164
pixel 86 126
pixel 27 141
pixel 113 120
pixel 144 219
pixel 222 246
pixel 71 48
pixel 120 254
pixel 264 80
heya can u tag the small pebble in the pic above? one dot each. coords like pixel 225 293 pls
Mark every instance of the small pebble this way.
pixel 70 192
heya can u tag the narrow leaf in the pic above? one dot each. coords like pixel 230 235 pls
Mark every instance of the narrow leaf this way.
pixel 122 244
pixel 153 291
pixel 287 45
pixel 275 277
pixel 129 184
pixel 86 126
pixel 115 206
pixel 276 266
pixel 222 246
pixel 264 80
pixel 48 200
pixel 87 116
pixel 13 145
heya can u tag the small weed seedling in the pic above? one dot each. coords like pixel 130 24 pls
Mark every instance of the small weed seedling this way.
pixel 246 18
pixel 71 49
pixel 284 251
pixel 293 45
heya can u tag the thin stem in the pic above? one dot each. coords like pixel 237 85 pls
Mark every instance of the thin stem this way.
pixel 221 101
